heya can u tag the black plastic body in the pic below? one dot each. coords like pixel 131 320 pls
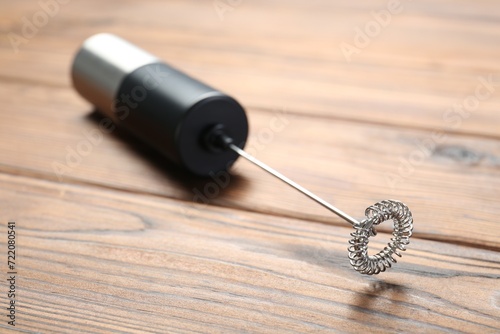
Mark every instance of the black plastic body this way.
pixel 173 113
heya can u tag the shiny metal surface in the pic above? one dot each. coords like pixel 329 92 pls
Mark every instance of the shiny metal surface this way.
pixel 376 214
pixel 293 184
pixel 100 66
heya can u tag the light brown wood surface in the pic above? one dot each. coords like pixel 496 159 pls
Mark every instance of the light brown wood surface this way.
pixel 120 242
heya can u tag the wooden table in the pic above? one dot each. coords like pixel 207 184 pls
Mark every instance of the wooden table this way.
pixel 357 102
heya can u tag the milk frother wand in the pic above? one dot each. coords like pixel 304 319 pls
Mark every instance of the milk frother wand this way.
pixel 203 130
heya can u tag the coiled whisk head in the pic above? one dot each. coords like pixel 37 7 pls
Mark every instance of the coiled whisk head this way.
pixel 376 214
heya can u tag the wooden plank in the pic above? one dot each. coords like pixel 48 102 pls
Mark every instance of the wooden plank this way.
pixel 406 77
pixel 452 189
pixel 117 242
pixel 110 261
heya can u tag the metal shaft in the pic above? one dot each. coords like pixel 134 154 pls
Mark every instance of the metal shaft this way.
pixel 293 184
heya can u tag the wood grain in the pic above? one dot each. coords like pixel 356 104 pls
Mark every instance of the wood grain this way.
pixel 105 260
pixel 355 165
pixel 427 60
pixel 121 240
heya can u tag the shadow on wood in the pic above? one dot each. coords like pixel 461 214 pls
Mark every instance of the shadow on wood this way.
pixel 197 189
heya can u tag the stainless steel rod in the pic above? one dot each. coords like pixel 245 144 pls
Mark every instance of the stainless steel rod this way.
pixel 293 184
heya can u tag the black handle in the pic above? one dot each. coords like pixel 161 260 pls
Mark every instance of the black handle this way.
pixel 176 114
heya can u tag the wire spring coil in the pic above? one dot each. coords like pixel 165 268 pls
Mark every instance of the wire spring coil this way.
pixel 376 214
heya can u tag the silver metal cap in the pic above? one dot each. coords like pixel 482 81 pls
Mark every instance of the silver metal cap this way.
pixel 100 66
